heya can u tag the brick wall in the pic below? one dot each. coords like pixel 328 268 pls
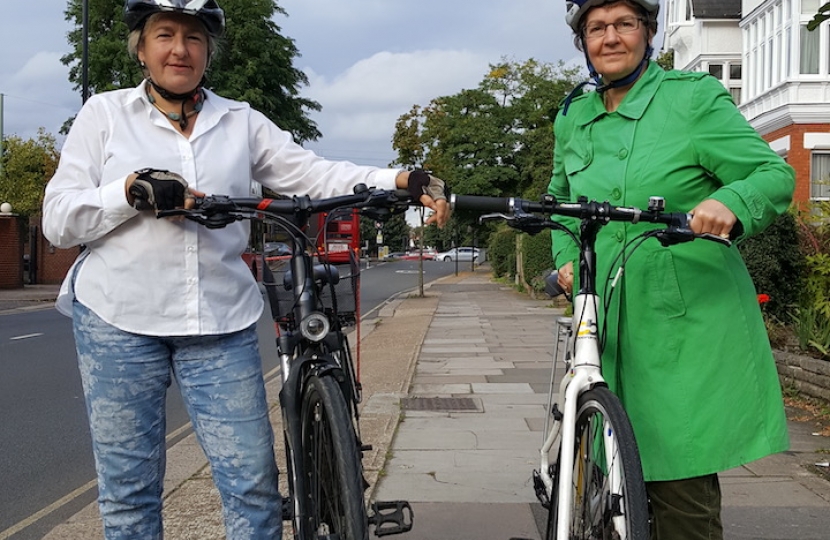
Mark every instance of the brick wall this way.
pixel 799 157
pixel 12 231
pixel 52 263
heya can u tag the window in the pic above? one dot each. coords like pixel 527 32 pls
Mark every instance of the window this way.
pixel 810 7
pixel 716 70
pixel 809 51
pixel 820 176
pixel 679 11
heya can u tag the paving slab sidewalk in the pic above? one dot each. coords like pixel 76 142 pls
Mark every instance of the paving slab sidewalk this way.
pixel 478 354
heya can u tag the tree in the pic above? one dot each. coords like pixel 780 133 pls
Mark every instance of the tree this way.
pixel 27 167
pixel 496 139
pixel 822 15
pixel 666 60
pixel 254 62
pixel 395 233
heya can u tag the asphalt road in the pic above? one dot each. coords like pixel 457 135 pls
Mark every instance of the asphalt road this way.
pixel 46 464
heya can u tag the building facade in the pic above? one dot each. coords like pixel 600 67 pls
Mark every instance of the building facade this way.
pixel 777 71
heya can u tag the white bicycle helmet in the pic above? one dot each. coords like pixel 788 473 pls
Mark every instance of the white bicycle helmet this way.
pixel 575 9
pixel 207 11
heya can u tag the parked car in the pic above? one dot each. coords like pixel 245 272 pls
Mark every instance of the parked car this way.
pixel 461 254
pixel 415 255
pixel 394 255
pixel 277 249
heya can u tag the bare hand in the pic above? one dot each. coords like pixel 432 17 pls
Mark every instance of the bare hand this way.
pixel 566 277
pixel 713 217
pixel 441 210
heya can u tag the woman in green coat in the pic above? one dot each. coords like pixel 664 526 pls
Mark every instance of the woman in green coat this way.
pixel 686 348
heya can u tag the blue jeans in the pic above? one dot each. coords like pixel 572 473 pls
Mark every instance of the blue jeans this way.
pixel 125 378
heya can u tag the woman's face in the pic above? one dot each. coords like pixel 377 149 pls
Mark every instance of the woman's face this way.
pixel 174 48
pixel 615 55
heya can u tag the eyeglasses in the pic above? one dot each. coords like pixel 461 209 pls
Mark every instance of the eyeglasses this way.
pixel 596 30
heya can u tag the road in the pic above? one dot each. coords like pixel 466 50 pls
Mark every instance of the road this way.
pixel 47 470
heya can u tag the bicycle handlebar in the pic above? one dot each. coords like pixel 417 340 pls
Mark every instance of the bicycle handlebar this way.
pixel 217 211
pixel 515 209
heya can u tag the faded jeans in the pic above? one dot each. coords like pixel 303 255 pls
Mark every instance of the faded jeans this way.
pixel 125 378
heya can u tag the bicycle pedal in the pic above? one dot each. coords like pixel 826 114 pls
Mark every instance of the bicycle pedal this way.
pixel 287 508
pixel 541 492
pixel 391 517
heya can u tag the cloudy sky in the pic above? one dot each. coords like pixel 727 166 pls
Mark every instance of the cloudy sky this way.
pixel 368 61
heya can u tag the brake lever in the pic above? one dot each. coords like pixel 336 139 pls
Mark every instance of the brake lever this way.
pixel 715 238
pixel 678 235
pixel 213 221
pixel 491 217
pixel 381 205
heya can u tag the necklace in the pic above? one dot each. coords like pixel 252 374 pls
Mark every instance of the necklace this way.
pixel 198 99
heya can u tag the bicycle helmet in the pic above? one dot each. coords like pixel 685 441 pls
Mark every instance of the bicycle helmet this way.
pixel 207 11
pixel 575 9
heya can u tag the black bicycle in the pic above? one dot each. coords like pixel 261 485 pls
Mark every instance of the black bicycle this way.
pixel 312 304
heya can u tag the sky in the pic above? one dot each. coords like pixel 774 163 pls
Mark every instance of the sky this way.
pixel 368 61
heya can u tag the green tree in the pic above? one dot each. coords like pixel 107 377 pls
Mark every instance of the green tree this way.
pixel 254 62
pixel 822 15
pixel 496 139
pixel 666 60
pixel 27 167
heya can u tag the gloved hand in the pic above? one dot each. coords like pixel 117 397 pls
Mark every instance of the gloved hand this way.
pixel 419 184
pixel 156 189
pixel 422 183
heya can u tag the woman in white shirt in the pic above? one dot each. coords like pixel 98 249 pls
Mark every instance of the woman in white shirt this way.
pixel 154 298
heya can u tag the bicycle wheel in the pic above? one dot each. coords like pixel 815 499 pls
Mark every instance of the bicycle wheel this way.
pixel 331 464
pixel 608 493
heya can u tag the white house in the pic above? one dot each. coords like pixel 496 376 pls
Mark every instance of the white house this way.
pixel 777 72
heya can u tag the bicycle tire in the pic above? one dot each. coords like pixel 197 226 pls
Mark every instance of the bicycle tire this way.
pixel 596 513
pixel 331 463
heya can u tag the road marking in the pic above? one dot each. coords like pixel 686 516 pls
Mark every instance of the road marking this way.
pixel 27 336
pixel 37 516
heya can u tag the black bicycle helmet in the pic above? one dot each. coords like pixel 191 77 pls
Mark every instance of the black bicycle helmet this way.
pixel 207 11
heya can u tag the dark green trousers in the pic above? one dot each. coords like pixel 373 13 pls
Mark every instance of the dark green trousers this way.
pixel 686 509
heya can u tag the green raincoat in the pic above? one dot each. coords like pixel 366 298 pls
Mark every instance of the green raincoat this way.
pixel 686 348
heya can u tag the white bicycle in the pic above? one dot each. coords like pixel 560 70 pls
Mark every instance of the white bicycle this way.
pixel 590 477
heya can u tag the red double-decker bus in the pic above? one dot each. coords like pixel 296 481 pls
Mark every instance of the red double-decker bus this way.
pixel 341 237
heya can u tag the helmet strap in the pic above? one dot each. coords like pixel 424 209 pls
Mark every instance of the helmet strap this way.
pixel 602 86
pixel 625 81
pixel 170 96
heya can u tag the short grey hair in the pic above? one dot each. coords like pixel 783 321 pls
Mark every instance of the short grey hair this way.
pixel 135 37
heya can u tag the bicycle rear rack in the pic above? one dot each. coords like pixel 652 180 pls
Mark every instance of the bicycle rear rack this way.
pixel 391 517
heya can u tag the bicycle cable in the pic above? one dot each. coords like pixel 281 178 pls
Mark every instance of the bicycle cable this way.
pixel 639 240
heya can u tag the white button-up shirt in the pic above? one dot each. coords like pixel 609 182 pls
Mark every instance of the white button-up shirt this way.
pixel 163 277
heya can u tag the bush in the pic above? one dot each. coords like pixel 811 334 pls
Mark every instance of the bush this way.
pixel 501 252
pixel 777 265
pixel 536 256
pixel 538 260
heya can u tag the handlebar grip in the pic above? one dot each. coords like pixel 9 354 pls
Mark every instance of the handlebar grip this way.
pixel 482 204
